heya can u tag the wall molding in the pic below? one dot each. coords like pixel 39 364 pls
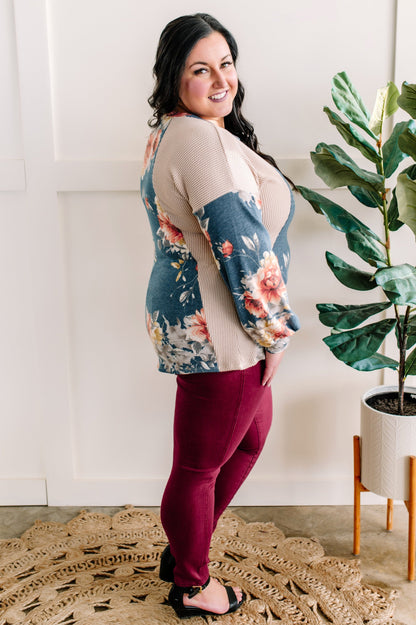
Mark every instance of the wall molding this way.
pixel 257 491
pixel 73 176
pixel 79 176
pixel 23 492
pixel 123 176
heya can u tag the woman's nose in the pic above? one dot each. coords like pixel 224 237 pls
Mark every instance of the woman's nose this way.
pixel 219 79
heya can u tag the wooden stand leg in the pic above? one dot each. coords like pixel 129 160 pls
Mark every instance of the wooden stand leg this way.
pixel 411 507
pixel 357 496
pixel 358 489
pixel 389 523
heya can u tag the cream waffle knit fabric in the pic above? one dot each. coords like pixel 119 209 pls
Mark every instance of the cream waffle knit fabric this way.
pixel 219 215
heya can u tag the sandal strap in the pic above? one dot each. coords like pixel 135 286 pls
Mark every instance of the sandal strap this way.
pixel 192 591
pixel 232 598
pixel 176 601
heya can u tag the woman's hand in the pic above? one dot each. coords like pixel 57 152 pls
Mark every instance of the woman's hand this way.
pixel 272 364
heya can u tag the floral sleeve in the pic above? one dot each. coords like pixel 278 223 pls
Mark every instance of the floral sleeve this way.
pixel 243 251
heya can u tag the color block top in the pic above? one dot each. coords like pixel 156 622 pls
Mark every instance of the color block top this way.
pixel 219 215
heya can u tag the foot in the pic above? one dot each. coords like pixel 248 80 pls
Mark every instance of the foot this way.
pixel 213 598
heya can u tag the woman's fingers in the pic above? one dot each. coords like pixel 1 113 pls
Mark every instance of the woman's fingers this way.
pixel 272 364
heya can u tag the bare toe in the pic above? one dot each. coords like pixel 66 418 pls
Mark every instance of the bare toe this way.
pixel 238 593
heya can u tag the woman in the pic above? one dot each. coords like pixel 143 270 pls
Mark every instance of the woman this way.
pixel 217 307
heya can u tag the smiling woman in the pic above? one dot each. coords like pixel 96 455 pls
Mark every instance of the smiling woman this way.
pixel 209 81
pixel 217 307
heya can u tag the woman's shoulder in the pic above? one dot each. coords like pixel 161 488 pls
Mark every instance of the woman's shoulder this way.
pixel 189 124
pixel 190 142
pixel 191 131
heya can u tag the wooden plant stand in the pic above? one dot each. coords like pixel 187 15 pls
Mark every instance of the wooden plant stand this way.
pixel 410 505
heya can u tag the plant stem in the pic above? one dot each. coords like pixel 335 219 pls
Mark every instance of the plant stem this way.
pixel 401 329
pixel 384 208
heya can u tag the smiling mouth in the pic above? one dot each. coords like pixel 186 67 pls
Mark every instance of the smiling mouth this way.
pixel 218 97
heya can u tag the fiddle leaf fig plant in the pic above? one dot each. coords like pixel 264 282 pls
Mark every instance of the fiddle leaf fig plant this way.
pixel 352 340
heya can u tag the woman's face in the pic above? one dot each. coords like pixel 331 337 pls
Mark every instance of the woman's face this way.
pixel 209 81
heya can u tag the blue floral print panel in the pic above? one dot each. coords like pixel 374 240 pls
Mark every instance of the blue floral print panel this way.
pixel 178 330
pixel 249 266
pixel 252 268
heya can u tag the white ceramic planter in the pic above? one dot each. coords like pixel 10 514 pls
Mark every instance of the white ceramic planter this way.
pixel 387 441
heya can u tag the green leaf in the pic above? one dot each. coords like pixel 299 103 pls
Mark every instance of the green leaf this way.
pixel 393 152
pixel 411 336
pixel 350 276
pixel 391 101
pixel 410 171
pixel 410 366
pixel 337 169
pixel 411 331
pixel 347 317
pixel 407 99
pixel 337 217
pixel 366 248
pixel 385 105
pixel 360 238
pixel 352 137
pixel 393 211
pixel 378 361
pixel 355 345
pixel 398 283
pixel 347 99
pixel 406 200
pixel 407 141
pixel 393 214
pixel 368 198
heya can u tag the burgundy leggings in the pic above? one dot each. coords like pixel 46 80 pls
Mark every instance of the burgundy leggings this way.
pixel 220 427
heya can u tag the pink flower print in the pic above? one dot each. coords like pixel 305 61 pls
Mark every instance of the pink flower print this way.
pixel 151 148
pixel 254 306
pixel 227 249
pixel 269 285
pixel 197 327
pixel 171 232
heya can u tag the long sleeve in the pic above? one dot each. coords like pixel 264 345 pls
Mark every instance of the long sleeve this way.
pixel 225 198
pixel 242 248
pixel 219 214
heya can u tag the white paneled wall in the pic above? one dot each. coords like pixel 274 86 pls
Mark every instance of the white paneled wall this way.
pixel 85 418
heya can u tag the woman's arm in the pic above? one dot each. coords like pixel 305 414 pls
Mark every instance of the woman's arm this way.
pixel 212 173
pixel 232 224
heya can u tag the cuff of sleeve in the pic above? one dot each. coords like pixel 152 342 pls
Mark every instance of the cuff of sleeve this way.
pixel 279 346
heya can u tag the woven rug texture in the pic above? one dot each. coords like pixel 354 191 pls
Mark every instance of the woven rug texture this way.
pixel 102 570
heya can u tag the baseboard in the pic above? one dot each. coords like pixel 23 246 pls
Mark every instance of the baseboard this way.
pixel 23 492
pixel 255 492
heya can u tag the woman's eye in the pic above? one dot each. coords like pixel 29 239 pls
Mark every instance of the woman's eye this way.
pixel 227 63
pixel 202 70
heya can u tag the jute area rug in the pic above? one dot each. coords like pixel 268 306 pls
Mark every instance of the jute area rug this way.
pixel 102 570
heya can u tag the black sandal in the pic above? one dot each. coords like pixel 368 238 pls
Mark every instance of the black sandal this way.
pixel 184 611
pixel 167 564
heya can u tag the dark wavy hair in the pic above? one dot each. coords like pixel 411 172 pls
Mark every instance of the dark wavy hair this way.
pixel 175 44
